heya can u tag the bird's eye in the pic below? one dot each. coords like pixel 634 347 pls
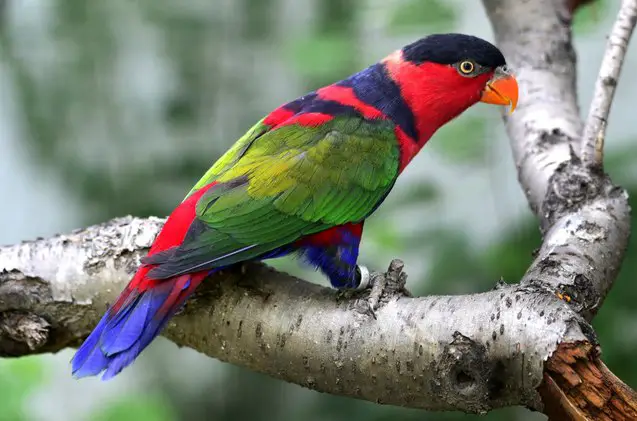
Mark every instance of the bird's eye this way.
pixel 466 67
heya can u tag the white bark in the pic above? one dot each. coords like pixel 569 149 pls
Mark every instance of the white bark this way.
pixel 594 132
pixel 471 353
pixel 584 218
pixel 536 40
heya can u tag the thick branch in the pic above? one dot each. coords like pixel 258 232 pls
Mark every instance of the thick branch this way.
pixel 472 353
pixel 535 37
pixel 585 219
pixel 594 132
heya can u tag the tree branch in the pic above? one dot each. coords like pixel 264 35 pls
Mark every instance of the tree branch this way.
pixel 535 37
pixel 594 132
pixel 471 353
pixel 585 219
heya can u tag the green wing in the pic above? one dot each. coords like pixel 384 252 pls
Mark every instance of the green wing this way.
pixel 231 156
pixel 273 187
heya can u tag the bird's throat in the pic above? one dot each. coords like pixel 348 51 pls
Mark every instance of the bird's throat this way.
pixel 430 92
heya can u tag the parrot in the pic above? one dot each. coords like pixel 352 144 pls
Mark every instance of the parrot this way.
pixel 301 181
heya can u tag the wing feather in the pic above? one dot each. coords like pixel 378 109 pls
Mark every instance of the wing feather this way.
pixel 281 185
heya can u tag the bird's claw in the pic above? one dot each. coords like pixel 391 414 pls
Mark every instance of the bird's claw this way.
pixel 370 310
pixel 364 283
pixel 387 284
pixel 379 284
pixel 378 288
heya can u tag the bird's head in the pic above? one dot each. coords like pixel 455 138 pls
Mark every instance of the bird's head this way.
pixel 442 75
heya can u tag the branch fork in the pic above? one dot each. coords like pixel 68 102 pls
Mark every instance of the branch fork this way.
pixel 528 344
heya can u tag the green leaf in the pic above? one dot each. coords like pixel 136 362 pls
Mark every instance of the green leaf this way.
pixel 416 15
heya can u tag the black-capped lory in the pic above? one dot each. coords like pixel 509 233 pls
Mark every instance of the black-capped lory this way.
pixel 301 181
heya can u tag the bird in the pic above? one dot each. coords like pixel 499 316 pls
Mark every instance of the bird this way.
pixel 301 181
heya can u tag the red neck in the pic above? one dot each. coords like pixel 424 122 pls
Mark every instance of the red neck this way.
pixel 435 93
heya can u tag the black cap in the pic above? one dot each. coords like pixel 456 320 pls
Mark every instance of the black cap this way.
pixel 452 48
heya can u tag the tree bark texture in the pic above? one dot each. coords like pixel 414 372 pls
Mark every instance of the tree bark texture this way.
pixel 513 345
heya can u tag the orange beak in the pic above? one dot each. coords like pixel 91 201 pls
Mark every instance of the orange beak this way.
pixel 502 89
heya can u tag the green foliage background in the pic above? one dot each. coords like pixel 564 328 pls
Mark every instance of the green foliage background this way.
pixel 119 138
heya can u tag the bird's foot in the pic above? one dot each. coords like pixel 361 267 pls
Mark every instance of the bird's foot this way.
pixel 378 287
pixel 384 286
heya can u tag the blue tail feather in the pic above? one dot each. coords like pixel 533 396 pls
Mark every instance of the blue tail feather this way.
pixel 89 359
pixel 119 338
pixel 122 332
pixel 118 362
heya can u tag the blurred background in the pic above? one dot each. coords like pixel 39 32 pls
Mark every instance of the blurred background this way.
pixel 109 108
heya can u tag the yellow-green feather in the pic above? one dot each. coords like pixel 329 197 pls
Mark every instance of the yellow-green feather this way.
pixel 277 186
pixel 231 156
pixel 334 173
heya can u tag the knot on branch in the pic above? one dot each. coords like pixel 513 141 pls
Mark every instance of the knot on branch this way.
pixel 466 369
pixel 20 291
pixel 570 187
pixel 22 333
pixel 580 293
